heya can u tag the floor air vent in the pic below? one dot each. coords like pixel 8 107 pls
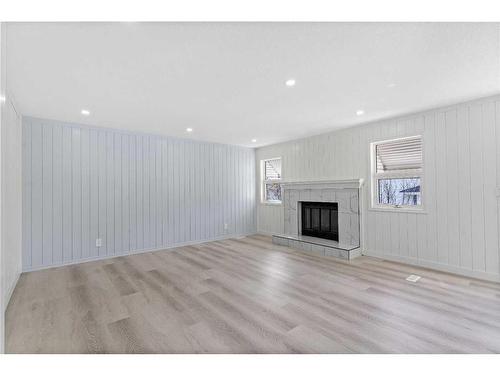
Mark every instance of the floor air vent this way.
pixel 413 278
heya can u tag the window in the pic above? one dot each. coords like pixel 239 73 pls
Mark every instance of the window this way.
pixel 397 167
pixel 272 180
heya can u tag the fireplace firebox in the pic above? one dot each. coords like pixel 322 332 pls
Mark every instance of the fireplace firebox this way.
pixel 320 219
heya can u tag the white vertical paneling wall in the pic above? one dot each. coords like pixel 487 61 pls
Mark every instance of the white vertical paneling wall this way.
pixel 133 191
pixel 11 190
pixel 11 208
pixel 459 230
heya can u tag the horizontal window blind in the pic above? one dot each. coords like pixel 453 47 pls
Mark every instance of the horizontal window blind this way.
pixel 272 169
pixel 400 154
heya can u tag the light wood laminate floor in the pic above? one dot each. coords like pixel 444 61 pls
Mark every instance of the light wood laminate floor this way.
pixel 250 296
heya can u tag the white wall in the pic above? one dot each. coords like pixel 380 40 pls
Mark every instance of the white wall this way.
pixel 133 191
pixel 11 196
pixel 459 231
pixel 2 104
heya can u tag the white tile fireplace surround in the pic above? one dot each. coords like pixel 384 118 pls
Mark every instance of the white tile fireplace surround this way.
pixel 345 193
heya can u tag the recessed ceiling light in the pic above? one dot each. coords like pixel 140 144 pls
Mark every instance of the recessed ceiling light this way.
pixel 290 82
pixel 254 140
pixel 391 85
pixel 360 112
pixel 189 130
pixel 2 98
pixel 85 112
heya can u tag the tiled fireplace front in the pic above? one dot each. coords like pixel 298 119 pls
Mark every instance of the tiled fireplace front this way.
pixel 345 193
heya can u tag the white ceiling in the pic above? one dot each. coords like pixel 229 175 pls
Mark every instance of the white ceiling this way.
pixel 227 80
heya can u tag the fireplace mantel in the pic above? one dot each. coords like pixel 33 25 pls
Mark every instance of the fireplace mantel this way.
pixel 323 184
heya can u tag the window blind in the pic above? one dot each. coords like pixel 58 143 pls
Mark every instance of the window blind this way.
pixel 400 154
pixel 272 169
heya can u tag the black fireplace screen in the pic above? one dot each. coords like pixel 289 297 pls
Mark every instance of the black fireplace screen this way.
pixel 320 219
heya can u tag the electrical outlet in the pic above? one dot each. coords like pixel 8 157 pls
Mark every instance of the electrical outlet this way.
pixel 98 242
pixel 225 226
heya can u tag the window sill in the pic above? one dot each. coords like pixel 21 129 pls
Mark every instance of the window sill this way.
pixel 400 210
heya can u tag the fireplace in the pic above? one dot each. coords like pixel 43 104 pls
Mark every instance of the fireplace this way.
pixel 320 219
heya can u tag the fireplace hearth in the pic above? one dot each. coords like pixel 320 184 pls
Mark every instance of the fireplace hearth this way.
pixel 320 219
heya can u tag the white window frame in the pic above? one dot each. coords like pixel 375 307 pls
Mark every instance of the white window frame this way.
pixel 271 181
pixel 409 173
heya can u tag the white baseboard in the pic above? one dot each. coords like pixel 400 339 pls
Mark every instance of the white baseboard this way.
pixel 412 261
pixel 265 233
pixel 422 263
pixel 436 266
pixel 140 251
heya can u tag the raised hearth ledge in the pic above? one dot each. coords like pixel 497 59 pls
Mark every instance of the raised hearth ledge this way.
pixel 317 246
pixel 319 241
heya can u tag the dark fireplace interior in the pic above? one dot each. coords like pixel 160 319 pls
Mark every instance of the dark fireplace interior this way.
pixel 320 219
